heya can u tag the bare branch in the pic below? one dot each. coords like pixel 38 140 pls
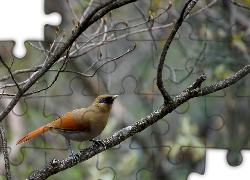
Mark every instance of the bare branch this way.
pixel 187 8
pixel 87 10
pixel 240 5
pixel 36 47
pixel 192 91
pixel 113 59
pixel 2 94
pixel 63 67
pixel 34 69
pixel 225 83
pixel 109 40
pixel 197 83
pixel 5 152
pixel 10 72
pixel 202 9
pixel 72 11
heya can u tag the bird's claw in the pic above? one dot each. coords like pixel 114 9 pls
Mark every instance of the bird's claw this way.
pixel 76 157
pixel 98 142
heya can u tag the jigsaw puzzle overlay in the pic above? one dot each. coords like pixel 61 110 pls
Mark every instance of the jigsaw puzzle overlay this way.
pixel 214 42
pixel 26 23
pixel 217 166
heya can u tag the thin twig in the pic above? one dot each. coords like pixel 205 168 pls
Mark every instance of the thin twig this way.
pixel 87 10
pixel 34 69
pixel 92 65
pixel 44 52
pixel 2 94
pixel 12 85
pixel 149 27
pixel 63 67
pixel 119 37
pixel 72 11
pixel 95 34
pixel 36 47
pixel 240 5
pixel 202 9
pixel 10 73
pixel 113 59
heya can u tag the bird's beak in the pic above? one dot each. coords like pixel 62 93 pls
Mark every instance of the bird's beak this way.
pixel 115 96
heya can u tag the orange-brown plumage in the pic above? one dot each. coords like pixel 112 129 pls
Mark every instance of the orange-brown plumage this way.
pixel 35 133
pixel 80 124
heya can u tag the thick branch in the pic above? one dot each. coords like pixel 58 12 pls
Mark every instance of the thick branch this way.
pixel 187 8
pixel 225 83
pixel 5 152
pixel 192 91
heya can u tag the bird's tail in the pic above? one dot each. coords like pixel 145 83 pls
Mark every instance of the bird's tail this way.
pixel 34 133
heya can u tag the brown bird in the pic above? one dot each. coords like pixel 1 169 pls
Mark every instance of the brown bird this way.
pixel 80 124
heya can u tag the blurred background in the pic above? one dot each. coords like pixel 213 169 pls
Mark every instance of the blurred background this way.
pixel 213 40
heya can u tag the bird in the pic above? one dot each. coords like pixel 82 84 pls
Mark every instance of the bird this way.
pixel 80 124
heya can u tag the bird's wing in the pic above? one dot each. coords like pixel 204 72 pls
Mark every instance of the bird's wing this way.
pixel 68 122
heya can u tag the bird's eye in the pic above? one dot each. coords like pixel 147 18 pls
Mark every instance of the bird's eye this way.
pixel 103 100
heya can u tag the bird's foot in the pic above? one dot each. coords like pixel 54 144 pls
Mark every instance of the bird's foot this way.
pixel 76 157
pixel 98 142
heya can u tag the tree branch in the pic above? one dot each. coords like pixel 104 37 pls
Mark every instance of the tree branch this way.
pixel 8 68
pixel 187 8
pixel 62 68
pixel 191 92
pixel 34 69
pixel 5 152
pixel 240 5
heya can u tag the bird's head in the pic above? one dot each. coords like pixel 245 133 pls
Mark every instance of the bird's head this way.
pixel 105 101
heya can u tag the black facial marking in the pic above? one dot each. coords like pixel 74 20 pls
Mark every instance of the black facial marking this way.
pixel 108 100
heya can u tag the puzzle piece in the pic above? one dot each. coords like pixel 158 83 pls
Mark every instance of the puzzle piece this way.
pixel 217 167
pixel 27 24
